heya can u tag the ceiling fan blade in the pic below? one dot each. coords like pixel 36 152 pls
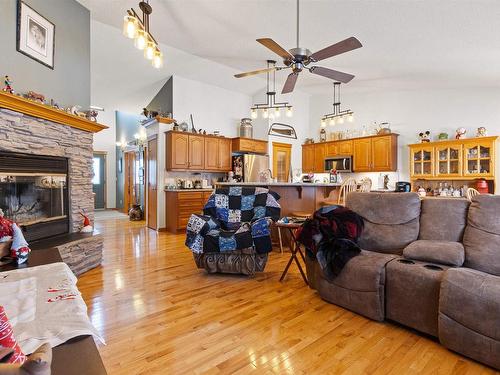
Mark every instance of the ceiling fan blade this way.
pixel 290 83
pixel 276 48
pixel 254 72
pixel 336 49
pixel 332 74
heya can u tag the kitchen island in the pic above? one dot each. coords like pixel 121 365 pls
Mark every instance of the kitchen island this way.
pixel 296 198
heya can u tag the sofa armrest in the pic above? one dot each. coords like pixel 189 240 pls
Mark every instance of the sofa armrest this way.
pixel 442 252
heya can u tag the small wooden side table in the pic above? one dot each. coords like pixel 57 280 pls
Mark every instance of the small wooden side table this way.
pixel 294 249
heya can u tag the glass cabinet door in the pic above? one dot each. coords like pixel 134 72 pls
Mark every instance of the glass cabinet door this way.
pixel 422 162
pixel 478 159
pixel 449 160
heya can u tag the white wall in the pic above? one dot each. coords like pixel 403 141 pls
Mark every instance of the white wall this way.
pixel 212 107
pixel 411 111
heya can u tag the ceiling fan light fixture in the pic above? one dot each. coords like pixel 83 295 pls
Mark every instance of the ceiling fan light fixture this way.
pixel 277 112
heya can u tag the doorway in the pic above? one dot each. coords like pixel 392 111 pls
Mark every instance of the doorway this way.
pixel 152 183
pixel 282 158
pixel 99 179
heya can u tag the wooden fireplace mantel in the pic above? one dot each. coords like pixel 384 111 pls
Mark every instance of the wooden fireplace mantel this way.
pixel 28 107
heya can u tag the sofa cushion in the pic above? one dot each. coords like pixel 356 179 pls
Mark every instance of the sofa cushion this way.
pixel 391 219
pixel 443 219
pixel 482 234
pixel 442 252
pixel 472 299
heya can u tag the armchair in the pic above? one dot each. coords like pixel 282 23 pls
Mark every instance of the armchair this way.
pixel 233 234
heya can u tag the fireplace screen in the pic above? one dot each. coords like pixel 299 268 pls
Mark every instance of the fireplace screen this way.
pixel 33 198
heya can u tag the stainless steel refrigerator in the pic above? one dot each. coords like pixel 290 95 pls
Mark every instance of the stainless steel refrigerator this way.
pixel 247 167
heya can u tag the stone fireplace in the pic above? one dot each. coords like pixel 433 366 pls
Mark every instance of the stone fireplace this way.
pixel 34 193
pixel 46 174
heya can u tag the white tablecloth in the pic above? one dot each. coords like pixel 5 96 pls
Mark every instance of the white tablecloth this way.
pixel 43 304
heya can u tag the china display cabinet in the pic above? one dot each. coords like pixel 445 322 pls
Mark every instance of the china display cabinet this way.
pixel 422 161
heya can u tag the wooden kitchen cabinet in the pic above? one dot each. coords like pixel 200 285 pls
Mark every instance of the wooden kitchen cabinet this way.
pixel 177 151
pixel 196 152
pixel 180 205
pixel 319 157
pixel 225 159
pixel 362 155
pixel 241 144
pixel 308 158
pixel 186 151
pixel 211 153
pixel 384 153
pixel 344 148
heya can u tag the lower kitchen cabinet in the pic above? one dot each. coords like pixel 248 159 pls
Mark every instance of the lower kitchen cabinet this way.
pixel 181 204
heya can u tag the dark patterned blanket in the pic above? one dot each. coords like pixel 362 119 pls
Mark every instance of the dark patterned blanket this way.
pixel 331 237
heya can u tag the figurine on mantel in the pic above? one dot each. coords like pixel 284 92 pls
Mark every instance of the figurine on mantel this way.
pixel 460 133
pixel 8 88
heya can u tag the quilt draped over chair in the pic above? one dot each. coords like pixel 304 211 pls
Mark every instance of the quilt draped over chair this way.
pixel 233 234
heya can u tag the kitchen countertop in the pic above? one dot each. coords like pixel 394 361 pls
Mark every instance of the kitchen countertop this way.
pixel 296 184
pixel 179 190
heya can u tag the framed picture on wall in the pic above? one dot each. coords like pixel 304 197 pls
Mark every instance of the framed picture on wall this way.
pixel 35 35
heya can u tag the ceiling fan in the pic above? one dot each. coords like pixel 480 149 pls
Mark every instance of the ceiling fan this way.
pixel 299 59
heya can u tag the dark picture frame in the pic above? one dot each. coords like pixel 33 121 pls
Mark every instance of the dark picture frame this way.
pixel 36 35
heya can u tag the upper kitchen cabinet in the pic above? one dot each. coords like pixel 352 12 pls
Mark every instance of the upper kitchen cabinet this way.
pixel 376 154
pixel 197 152
pixel 177 151
pixel 384 152
pixel 257 146
pixel 319 157
pixel 308 158
pixel 224 152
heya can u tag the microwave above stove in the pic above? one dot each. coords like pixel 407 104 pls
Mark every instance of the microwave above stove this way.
pixel 339 163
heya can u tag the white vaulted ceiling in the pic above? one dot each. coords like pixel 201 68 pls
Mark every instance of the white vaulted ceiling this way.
pixel 407 44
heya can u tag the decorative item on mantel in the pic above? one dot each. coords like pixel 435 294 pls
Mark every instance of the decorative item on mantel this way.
pixel 482 132
pixel 384 128
pixel 425 137
pixel 443 136
pixel 460 133
pixel 8 88
pixel 338 114
pixel 322 135
pixel 36 97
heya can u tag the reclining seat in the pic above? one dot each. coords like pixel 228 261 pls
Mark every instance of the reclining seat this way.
pixel 233 235
pixel 391 223
pixel 469 304
pixel 413 282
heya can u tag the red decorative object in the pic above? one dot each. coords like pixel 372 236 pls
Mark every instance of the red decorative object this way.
pixel 8 340
pixel 8 87
pixel 482 186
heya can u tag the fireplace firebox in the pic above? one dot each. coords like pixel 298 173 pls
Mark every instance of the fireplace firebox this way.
pixel 34 193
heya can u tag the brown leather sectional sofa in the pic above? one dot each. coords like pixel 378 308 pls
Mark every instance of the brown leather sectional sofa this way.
pixel 432 265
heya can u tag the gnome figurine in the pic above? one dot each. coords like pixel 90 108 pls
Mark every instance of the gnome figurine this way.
pixel 87 228
pixel 8 88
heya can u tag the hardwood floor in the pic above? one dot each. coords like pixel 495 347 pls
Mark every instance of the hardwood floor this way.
pixel 159 314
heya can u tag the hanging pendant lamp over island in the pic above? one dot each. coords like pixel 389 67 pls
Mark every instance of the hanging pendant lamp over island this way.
pixel 271 109
pixel 338 115
pixel 137 28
